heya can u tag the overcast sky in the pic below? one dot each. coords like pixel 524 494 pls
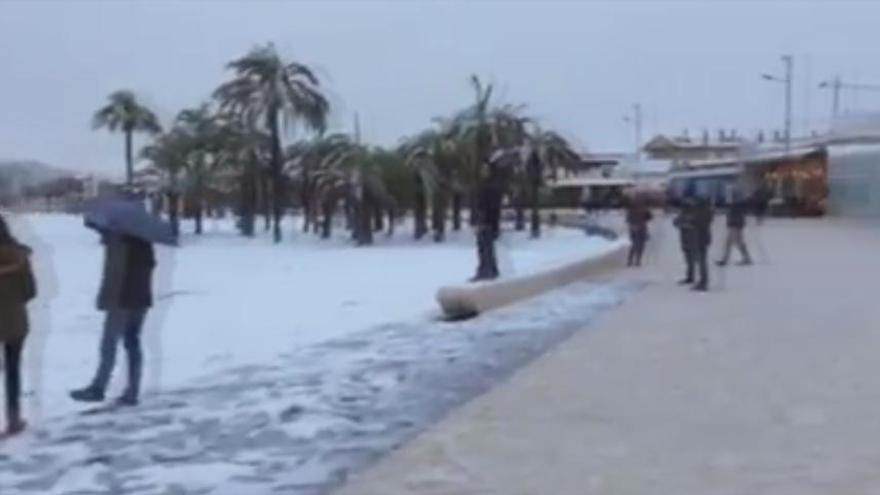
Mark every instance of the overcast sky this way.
pixel 577 66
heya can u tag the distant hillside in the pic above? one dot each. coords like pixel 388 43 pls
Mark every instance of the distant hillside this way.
pixel 19 175
pixel 31 172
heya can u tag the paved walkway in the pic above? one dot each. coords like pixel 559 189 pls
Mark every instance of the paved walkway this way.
pixel 770 384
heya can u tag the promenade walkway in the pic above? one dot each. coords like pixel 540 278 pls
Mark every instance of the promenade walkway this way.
pixel 769 384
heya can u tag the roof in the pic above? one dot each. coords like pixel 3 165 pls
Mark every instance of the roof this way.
pixel 649 167
pixel 755 155
pixel 662 142
pixel 727 171
pixel 593 181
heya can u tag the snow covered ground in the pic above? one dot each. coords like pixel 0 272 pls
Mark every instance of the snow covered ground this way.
pixel 270 366
pixel 226 301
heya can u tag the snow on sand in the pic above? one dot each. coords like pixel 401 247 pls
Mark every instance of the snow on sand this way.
pixel 284 368
pixel 225 301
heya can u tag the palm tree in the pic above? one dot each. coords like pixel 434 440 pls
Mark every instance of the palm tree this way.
pixel 419 152
pixel 242 152
pixel 205 143
pixel 483 131
pixel 123 112
pixel 436 158
pixel 167 155
pixel 274 94
pixel 546 150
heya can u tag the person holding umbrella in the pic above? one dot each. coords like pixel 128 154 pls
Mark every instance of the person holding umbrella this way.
pixel 125 295
pixel 17 287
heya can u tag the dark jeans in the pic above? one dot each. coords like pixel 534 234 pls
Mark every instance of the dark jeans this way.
pixel 487 268
pixel 12 364
pixel 125 325
pixel 696 257
pixel 638 239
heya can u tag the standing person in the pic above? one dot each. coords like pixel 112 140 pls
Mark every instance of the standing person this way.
pixel 17 287
pixel 702 239
pixel 637 217
pixel 761 202
pixel 489 197
pixel 684 222
pixel 736 222
pixel 125 296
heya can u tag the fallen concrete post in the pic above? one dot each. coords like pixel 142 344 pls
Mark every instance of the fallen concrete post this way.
pixel 467 300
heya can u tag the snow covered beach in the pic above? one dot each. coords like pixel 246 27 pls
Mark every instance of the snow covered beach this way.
pixel 271 366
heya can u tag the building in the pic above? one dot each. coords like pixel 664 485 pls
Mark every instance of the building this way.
pixel 797 177
pixel 854 166
pixel 683 150
pixel 592 164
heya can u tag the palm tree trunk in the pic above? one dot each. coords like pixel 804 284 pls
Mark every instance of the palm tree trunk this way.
pixel 438 215
pixel 306 200
pixel 248 200
pixel 316 213
pixel 536 215
pixel 520 218
pixel 199 213
pixel 129 159
pixel 363 229
pixel 173 214
pixel 420 210
pixel 456 211
pixel 277 184
pixel 327 222
pixel 520 213
pixel 266 201
pixel 349 213
pixel 378 219
pixel 391 221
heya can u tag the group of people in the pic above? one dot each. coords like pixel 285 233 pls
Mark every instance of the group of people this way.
pixel 694 223
pixel 125 297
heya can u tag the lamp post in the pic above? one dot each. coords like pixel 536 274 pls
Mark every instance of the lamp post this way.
pixel 788 60
pixel 636 120
pixel 835 84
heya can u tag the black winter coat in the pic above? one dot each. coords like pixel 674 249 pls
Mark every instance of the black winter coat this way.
pixel 736 215
pixel 127 279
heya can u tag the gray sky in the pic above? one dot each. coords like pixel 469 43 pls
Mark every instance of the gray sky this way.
pixel 577 66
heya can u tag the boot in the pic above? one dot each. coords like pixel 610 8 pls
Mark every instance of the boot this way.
pixel 88 394
pixel 127 399
pixel 16 425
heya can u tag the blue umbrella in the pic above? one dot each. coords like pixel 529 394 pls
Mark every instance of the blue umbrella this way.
pixel 128 218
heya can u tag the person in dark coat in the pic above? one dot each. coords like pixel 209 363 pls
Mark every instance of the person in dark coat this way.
pixel 702 232
pixel 684 222
pixel 17 287
pixel 637 217
pixel 694 223
pixel 488 211
pixel 125 296
pixel 736 223
pixel 761 202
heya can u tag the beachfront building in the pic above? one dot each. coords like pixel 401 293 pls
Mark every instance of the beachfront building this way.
pixel 797 178
pixel 854 166
pixel 684 149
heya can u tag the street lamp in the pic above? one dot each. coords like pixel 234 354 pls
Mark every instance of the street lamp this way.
pixel 636 120
pixel 788 60
pixel 836 84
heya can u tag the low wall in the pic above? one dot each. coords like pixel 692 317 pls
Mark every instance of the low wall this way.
pixel 462 301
